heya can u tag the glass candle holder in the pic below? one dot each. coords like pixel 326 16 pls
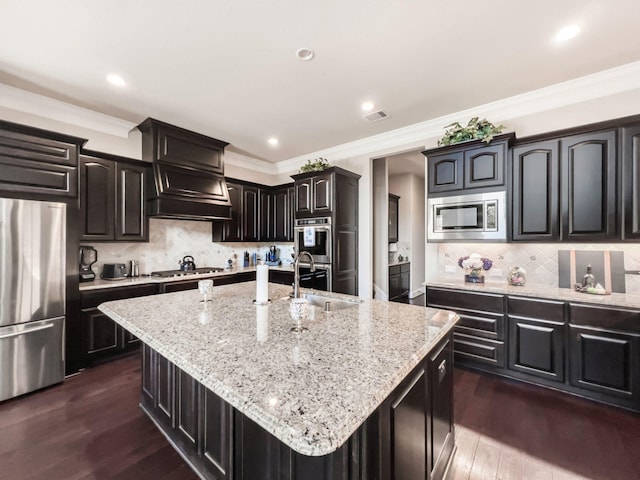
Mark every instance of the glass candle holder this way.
pixel 205 287
pixel 298 309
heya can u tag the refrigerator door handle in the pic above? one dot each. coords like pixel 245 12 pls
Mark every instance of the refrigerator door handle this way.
pixel 24 332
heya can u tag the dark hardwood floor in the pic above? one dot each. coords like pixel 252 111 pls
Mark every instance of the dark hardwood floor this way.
pixel 90 427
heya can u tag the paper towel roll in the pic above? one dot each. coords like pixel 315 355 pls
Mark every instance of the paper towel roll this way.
pixel 262 284
pixel 262 324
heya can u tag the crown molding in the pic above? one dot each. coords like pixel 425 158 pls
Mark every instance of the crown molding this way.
pixel 250 163
pixel 608 82
pixel 42 106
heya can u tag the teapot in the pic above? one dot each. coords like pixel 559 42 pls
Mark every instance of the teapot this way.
pixel 187 264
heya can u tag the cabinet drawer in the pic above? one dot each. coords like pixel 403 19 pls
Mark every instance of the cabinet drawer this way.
pixel 454 299
pixel 536 308
pixel 95 298
pixel 479 350
pixel 486 325
pixel 394 270
pixel 405 268
pixel 609 318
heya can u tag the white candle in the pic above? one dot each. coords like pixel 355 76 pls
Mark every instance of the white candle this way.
pixel 262 327
pixel 262 284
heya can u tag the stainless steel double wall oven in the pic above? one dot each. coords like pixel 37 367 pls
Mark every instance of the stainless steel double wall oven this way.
pixel 314 235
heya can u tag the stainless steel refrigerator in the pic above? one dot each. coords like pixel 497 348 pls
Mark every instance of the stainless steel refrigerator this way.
pixel 32 295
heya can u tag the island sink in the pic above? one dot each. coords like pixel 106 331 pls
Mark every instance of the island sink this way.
pixel 330 304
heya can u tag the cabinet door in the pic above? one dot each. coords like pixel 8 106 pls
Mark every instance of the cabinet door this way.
pixel 97 199
pixel 484 166
pixel 536 347
pixel 187 419
pixel 266 211
pixel 536 192
pixel 441 412
pixel 631 182
pixel 303 197
pixel 445 172
pixel 281 217
pixel 102 335
pixel 395 286
pixel 131 221
pixel 250 214
pixel 405 278
pixel 230 230
pixel 589 196
pixel 321 194
pixel 292 214
pixel 393 218
pixel 606 362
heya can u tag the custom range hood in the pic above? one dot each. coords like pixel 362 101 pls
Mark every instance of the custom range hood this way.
pixel 188 173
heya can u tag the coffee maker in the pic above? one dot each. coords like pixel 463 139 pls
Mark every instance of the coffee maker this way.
pixel 88 256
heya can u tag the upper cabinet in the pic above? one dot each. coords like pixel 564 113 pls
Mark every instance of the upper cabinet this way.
pixel 113 198
pixel 469 165
pixel 313 194
pixel 565 189
pixel 631 182
pixel 393 218
pixel 588 186
pixel 35 161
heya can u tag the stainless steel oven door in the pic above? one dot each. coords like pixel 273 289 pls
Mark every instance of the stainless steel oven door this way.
pixel 316 240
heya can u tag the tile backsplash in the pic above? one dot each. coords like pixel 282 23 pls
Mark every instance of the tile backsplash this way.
pixel 540 260
pixel 171 240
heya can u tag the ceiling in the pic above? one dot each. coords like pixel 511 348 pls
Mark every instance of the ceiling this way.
pixel 229 70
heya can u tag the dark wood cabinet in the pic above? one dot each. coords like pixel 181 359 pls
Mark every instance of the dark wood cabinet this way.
pixel 536 192
pixel 35 161
pixel 314 194
pixel 280 276
pixel 394 201
pixel 410 435
pixel 537 337
pixel 112 198
pixel 468 165
pixel 282 217
pixel 102 338
pixel 631 182
pixel 479 335
pixel 244 225
pixel 604 353
pixel 399 281
pixel 589 187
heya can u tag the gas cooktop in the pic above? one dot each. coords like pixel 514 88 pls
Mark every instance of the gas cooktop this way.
pixel 182 273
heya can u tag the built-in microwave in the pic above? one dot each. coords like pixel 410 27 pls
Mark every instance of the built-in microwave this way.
pixel 478 216
pixel 314 236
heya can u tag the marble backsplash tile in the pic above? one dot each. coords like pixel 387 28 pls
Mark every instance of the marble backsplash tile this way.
pixel 171 240
pixel 540 260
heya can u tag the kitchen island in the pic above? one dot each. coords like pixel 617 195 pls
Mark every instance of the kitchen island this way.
pixel 365 392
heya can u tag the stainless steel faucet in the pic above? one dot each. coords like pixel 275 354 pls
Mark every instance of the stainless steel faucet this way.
pixel 296 272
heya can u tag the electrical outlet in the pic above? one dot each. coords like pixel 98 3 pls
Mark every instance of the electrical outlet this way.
pixel 449 269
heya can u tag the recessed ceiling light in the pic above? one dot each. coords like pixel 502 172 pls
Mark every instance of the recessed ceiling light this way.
pixel 567 33
pixel 117 80
pixel 367 106
pixel 305 54
pixel 273 141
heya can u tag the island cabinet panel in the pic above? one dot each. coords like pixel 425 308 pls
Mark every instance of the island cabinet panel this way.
pixel 536 192
pixel 589 187
pixel 409 436
pixel 537 337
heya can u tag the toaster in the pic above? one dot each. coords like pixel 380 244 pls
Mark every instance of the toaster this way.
pixel 113 271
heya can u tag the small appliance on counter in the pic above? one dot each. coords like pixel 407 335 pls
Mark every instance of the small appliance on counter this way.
pixel 88 256
pixel 273 256
pixel 113 271
pixel 134 269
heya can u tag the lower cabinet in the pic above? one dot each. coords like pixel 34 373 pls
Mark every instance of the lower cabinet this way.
pixel 399 281
pixel 537 337
pixel 410 435
pixel 102 338
pixel 587 350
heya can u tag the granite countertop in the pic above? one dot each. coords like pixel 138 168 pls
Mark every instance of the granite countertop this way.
pixel 98 283
pixel 624 300
pixel 311 390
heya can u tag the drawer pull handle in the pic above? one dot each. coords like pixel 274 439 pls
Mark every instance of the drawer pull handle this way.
pixel 442 371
